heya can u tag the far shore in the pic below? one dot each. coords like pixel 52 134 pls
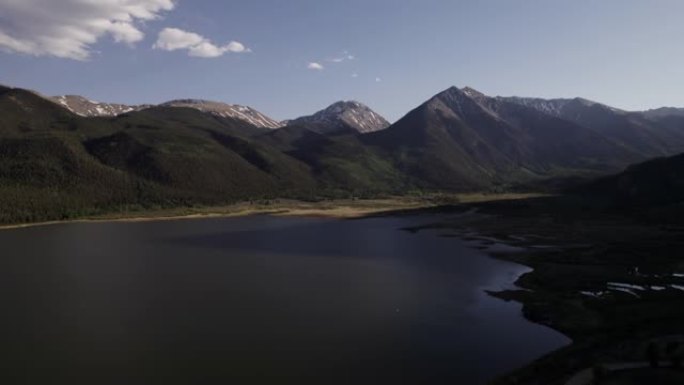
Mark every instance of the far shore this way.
pixel 341 209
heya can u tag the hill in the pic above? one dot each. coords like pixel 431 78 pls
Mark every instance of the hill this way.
pixel 657 182
pixel 56 164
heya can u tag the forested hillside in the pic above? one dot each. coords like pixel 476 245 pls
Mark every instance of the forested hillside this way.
pixel 55 164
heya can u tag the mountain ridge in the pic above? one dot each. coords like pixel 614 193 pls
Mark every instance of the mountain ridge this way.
pixel 464 132
pixel 54 163
pixel 82 106
pixel 226 110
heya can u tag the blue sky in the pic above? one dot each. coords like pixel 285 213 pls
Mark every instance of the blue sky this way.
pixel 393 54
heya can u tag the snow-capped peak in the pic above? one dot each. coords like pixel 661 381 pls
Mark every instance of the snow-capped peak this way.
pixel 473 93
pixel 90 108
pixel 225 110
pixel 557 107
pixel 344 115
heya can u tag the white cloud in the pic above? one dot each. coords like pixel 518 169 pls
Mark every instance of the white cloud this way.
pixel 342 58
pixel 237 47
pixel 172 39
pixel 315 66
pixel 125 33
pixel 68 28
pixel 355 75
pixel 378 80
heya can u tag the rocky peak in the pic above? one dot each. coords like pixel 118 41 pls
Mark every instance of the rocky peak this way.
pixel 345 115
pixel 90 108
pixel 225 110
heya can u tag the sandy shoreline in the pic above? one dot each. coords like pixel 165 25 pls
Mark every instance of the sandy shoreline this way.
pixel 341 212
pixel 343 209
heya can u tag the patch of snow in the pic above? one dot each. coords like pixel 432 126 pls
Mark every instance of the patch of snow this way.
pixel 677 287
pixel 625 286
pixel 225 110
pixel 628 291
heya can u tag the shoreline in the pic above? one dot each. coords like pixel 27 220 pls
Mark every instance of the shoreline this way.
pixel 573 250
pixel 340 209
pixel 339 212
pixel 519 292
pixel 331 213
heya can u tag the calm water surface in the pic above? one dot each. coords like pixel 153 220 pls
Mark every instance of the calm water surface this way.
pixel 257 300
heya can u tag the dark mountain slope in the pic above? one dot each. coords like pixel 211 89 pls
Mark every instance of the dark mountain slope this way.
pixel 23 112
pixel 200 153
pixel 55 164
pixel 45 172
pixel 294 137
pixel 656 182
pixel 641 133
pixel 344 164
pixel 562 142
pixel 339 162
pixel 464 140
pixel 427 145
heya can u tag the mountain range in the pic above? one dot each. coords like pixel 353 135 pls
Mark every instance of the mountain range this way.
pixel 461 137
pixel 82 106
pixel 68 156
pixel 340 117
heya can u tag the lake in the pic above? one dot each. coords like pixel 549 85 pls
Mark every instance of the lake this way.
pixel 255 300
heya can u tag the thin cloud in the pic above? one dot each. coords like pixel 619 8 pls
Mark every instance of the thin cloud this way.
pixel 173 39
pixel 317 66
pixel 346 56
pixel 68 28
